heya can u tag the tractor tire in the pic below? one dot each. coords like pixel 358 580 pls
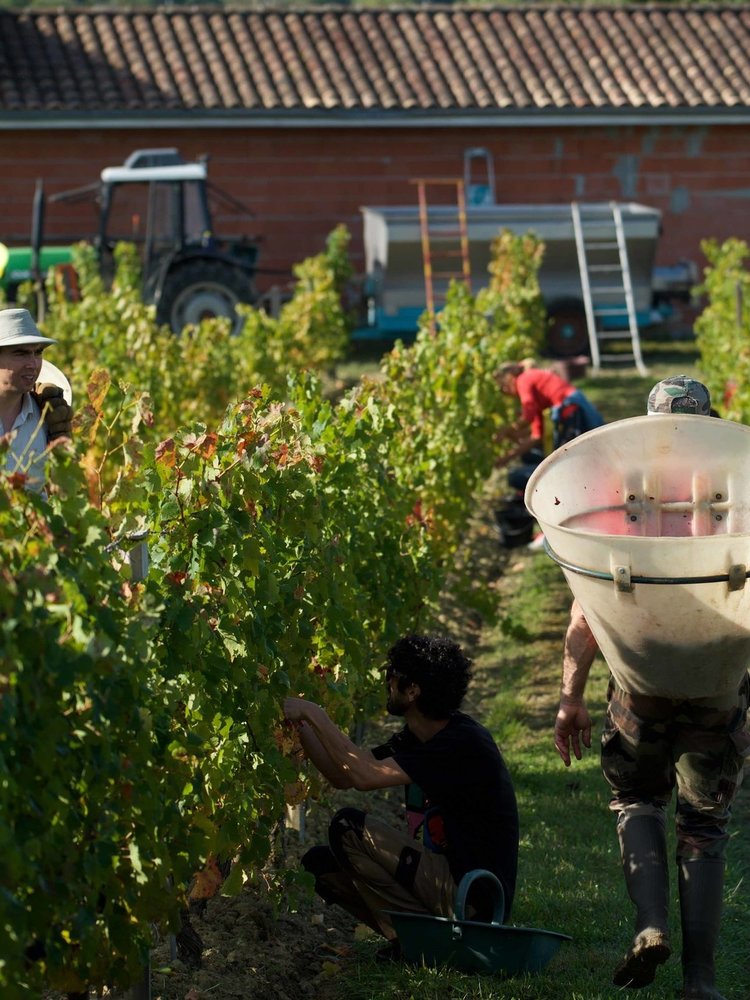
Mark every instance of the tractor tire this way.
pixel 203 289
pixel 567 334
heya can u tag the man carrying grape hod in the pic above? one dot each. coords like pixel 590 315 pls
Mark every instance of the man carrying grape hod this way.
pixel 652 743
pixel 471 819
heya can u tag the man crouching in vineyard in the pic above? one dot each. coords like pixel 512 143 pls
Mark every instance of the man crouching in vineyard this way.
pixel 470 819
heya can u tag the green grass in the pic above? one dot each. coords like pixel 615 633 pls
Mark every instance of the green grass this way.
pixel 621 393
pixel 569 871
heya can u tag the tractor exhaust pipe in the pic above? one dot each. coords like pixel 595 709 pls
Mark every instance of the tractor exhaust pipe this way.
pixel 37 231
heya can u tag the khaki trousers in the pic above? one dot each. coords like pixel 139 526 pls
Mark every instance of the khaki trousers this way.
pixel 374 868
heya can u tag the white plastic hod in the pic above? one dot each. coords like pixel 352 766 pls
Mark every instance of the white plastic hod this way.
pixel 649 519
pixel 51 373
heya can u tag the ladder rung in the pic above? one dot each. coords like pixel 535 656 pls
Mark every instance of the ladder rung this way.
pixel 435 238
pixel 599 253
pixel 426 181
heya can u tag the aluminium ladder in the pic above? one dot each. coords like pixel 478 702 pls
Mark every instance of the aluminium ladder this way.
pixel 445 242
pixel 606 284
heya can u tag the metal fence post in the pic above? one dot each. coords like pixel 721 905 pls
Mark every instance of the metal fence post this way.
pixel 138 559
pixel 142 990
pixel 294 819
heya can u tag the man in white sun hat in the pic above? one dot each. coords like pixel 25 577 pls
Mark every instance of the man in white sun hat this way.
pixel 32 414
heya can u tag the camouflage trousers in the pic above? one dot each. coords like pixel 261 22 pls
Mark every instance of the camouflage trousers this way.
pixel 651 745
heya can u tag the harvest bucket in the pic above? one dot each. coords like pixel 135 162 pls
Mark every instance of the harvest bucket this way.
pixel 472 945
pixel 51 373
pixel 649 519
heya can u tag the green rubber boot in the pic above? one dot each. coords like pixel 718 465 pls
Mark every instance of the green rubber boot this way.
pixel 701 884
pixel 644 863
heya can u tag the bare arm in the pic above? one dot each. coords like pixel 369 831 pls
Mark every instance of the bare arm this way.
pixel 338 759
pixel 573 721
pixel 520 433
pixel 317 753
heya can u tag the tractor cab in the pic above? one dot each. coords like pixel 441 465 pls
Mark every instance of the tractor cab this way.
pixel 158 202
pixel 161 203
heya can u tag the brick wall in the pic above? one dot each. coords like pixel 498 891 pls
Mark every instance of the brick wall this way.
pixel 300 183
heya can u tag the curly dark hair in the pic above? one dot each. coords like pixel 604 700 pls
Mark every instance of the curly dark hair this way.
pixel 440 668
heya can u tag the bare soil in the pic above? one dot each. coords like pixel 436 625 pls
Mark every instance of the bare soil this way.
pixel 257 946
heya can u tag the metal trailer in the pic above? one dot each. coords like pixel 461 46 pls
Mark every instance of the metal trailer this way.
pixel 395 283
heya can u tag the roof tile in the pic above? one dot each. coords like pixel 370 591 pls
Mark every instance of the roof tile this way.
pixel 555 57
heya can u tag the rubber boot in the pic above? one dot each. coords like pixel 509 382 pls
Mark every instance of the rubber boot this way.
pixel 701 883
pixel 644 862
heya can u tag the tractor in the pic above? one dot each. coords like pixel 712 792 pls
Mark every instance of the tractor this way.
pixel 159 202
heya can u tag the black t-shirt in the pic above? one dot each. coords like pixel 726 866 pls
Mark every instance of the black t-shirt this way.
pixel 463 776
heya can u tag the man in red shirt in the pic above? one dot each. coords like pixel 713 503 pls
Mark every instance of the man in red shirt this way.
pixel 539 389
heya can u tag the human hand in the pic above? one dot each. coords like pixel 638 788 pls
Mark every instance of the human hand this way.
pixel 295 709
pixel 287 736
pixel 515 431
pixel 504 433
pixel 56 412
pixel 573 724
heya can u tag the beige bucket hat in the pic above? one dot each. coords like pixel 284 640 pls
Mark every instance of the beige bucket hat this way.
pixel 17 327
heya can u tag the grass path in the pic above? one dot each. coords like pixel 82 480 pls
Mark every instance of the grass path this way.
pixel 569 870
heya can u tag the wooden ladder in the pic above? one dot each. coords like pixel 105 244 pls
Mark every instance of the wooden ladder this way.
pixel 606 284
pixel 445 243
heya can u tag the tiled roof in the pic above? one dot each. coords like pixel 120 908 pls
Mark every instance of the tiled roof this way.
pixel 421 59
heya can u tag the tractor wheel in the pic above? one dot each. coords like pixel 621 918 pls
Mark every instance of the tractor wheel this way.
pixel 568 333
pixel 203 289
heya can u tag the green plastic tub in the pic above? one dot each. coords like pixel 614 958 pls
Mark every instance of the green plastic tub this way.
pixel 471 945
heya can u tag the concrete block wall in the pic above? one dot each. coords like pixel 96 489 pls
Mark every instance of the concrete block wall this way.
pixel 300 183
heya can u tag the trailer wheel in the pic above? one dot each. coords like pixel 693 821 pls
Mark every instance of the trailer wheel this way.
pixel 203 289
pixel 568 333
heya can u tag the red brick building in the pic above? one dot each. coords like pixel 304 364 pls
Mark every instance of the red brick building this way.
pixel 309 114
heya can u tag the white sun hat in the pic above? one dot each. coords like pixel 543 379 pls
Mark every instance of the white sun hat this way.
pixel 17 327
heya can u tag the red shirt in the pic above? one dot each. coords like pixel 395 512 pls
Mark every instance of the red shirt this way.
pixel 538 390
